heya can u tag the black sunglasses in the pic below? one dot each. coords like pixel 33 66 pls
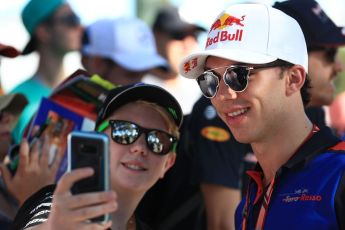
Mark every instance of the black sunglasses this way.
pixel 127 132
pixel 70 20
pixel 236 77
pixel 180 35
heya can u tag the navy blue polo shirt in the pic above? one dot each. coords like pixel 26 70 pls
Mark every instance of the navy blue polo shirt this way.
pixel 309 192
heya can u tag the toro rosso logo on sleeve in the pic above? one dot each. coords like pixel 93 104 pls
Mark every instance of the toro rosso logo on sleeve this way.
pixel 222 23
pixel 300 195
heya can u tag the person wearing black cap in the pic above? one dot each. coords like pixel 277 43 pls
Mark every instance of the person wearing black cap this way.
pixel 323 40
pixel 175 38
pixel 142 122
pixel 54 31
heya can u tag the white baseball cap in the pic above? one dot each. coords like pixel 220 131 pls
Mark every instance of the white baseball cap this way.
pixel 250 33
pixel 127 41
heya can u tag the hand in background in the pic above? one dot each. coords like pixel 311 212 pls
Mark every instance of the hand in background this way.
pixel 34 170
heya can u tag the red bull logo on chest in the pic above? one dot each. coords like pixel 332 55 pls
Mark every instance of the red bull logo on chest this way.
pixel 223 22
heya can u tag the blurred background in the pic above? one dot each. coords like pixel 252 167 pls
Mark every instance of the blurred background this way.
pixel 202 12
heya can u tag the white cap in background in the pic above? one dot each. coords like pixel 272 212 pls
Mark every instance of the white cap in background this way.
pixel 129 42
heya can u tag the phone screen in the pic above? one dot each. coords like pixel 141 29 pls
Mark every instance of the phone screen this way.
pixel 90 150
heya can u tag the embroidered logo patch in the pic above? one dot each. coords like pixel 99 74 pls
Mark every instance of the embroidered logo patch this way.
pixel 301 195
pixel 214 133
pixel 210 112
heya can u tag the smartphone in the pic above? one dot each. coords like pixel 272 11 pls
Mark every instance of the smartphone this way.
pixel 90 149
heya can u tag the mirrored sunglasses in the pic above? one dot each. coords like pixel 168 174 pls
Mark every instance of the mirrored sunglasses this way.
pixel 126 133
pixel 236 77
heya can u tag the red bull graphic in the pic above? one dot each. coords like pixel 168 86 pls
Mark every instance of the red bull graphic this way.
pixel 217 24
pixel 222 22
pixel 225 36
pixel 226 20
pixel 231 20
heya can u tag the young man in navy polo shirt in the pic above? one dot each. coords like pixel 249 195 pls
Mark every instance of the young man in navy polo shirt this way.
pixel 259 87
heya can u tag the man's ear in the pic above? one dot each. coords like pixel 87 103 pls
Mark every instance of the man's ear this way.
pixel 169 163
pixel 296 76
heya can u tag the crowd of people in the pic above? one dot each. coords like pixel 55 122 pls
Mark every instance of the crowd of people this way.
pixel 238 134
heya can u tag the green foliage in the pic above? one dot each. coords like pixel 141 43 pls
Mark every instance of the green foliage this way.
pixel 340 80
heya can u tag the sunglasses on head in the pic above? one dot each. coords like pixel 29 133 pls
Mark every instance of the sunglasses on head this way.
pixel 127 132
pixel 236 77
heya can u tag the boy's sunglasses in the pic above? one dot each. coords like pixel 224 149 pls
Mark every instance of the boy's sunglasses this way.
pixel 70 20
pixel 126 132
pixel 236 77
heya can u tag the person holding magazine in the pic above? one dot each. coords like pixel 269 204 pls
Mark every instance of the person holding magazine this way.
pixel 142 122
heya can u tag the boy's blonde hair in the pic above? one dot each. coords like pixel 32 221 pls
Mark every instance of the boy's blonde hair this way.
pixel 172 127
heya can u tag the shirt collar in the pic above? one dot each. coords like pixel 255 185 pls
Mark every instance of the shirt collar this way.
pixel 316 144
pixel 320 141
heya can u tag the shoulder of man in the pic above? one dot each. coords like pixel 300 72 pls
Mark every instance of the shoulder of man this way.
pixel 340 193
pixel 339 147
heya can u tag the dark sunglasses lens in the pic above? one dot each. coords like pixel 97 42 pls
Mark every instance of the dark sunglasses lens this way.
pixel 208 83
pixel 159 142
pixel 124 133
pixel 72 20
pixel 237 78
pixel 331 54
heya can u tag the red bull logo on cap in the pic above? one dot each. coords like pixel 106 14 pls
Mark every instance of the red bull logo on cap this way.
pixel 223 22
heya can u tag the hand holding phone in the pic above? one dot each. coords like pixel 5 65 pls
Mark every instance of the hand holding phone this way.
pixel 70 211
pixel 90 149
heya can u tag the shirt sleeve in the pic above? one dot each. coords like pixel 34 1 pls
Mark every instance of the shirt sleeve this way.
pixel 35 210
